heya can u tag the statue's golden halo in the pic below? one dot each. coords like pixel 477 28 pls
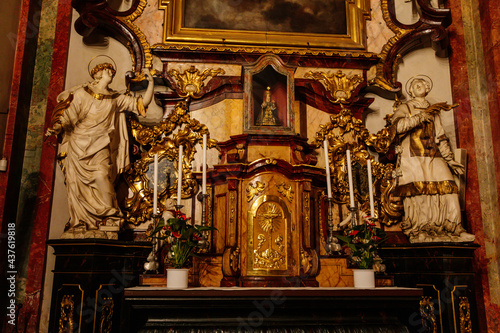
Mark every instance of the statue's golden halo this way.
pixel 99 59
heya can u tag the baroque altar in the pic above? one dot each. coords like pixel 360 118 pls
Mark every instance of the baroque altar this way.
pixel 274 123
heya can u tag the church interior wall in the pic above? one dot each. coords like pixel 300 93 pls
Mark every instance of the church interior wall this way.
pixel 224 118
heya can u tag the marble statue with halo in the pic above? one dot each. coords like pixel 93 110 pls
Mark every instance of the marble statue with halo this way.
pixel 425 169
pixel 94 149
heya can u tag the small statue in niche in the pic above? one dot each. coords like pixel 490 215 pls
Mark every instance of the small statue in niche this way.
pixel 94 150
pixel 425 170
pixel 269 114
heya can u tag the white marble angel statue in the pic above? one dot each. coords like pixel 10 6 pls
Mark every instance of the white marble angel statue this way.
pixel 425 170
pixel 94 150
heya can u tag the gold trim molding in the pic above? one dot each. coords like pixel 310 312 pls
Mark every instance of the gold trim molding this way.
pixel 146 48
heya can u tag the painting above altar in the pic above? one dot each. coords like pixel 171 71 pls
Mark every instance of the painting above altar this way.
pixel 281 25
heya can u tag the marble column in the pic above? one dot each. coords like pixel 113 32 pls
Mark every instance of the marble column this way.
pixel 474 77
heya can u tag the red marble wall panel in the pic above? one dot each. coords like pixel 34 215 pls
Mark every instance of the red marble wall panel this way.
pixel 465 139
pixel 490 32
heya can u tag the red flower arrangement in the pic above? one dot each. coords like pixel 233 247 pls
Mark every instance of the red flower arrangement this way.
pixel 182 237
pixel 361 243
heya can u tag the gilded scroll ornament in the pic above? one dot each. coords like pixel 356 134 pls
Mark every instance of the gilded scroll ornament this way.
pixel 165 138
pixel 234 260
pixel 106 321
pixel 286 191
pixel 432 24
pixel 347 132
pixel 66 319
pixel 191 81
pixel 139 35
pixel 465 320
pixel 427 312
pixel 338 84
pixel 305 261
pixel 254 190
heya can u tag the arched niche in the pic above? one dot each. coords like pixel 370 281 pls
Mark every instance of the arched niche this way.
pixel 268 77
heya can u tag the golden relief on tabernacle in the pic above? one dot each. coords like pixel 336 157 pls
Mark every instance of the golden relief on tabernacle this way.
pixel 269 234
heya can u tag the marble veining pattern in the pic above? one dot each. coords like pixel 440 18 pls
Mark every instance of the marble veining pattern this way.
pixel 377 31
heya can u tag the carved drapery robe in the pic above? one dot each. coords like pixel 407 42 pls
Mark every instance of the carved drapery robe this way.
pixel 93 151
pixel 425 181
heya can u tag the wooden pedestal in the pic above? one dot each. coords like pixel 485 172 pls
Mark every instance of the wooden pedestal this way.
pixel 89 278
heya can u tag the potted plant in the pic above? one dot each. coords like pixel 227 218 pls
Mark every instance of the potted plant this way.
pixel 182 240
pixel 361 244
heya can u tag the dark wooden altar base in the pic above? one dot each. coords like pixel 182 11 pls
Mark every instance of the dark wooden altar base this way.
pixel 272 309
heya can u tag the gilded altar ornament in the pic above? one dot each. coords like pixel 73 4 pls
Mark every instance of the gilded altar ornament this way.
pixel 286 191
pixel 306 261
pixel 268 115
pixel 254 190
pixel 428 314
pixel 66 318
pixel 273 256
pixel 337 84
pixel 343 131
pixel 106 321
pixel 465 320
pixel 234 259
pixel 191 81
pixel 165 143
pixel 94 150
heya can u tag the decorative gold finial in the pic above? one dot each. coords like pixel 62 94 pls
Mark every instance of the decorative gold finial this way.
pixel 190 82
pixel 338 84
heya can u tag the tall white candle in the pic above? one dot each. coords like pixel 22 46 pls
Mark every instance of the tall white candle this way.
pixel 179 178
pixel 155 187
pixel 370 187
pixel 204 168
pixel 349 176
pixel 327 167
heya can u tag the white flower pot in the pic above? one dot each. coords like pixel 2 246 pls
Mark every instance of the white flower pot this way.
pixel 364 278
pixel 177 278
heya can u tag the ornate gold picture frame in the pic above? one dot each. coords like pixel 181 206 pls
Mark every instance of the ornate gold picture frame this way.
pixel 188 25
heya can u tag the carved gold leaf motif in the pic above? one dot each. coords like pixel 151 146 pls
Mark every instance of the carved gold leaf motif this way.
pixel 286 191
pixel 253 190
pixel 427 312
pixel 465 320
pixel 66 319
pixel 165 138
pixel 191 81
pixel 343 132
pixel 106 322
pixel 337 84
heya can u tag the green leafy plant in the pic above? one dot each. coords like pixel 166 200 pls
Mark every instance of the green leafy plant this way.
pixel 182 237
pixel 362 242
